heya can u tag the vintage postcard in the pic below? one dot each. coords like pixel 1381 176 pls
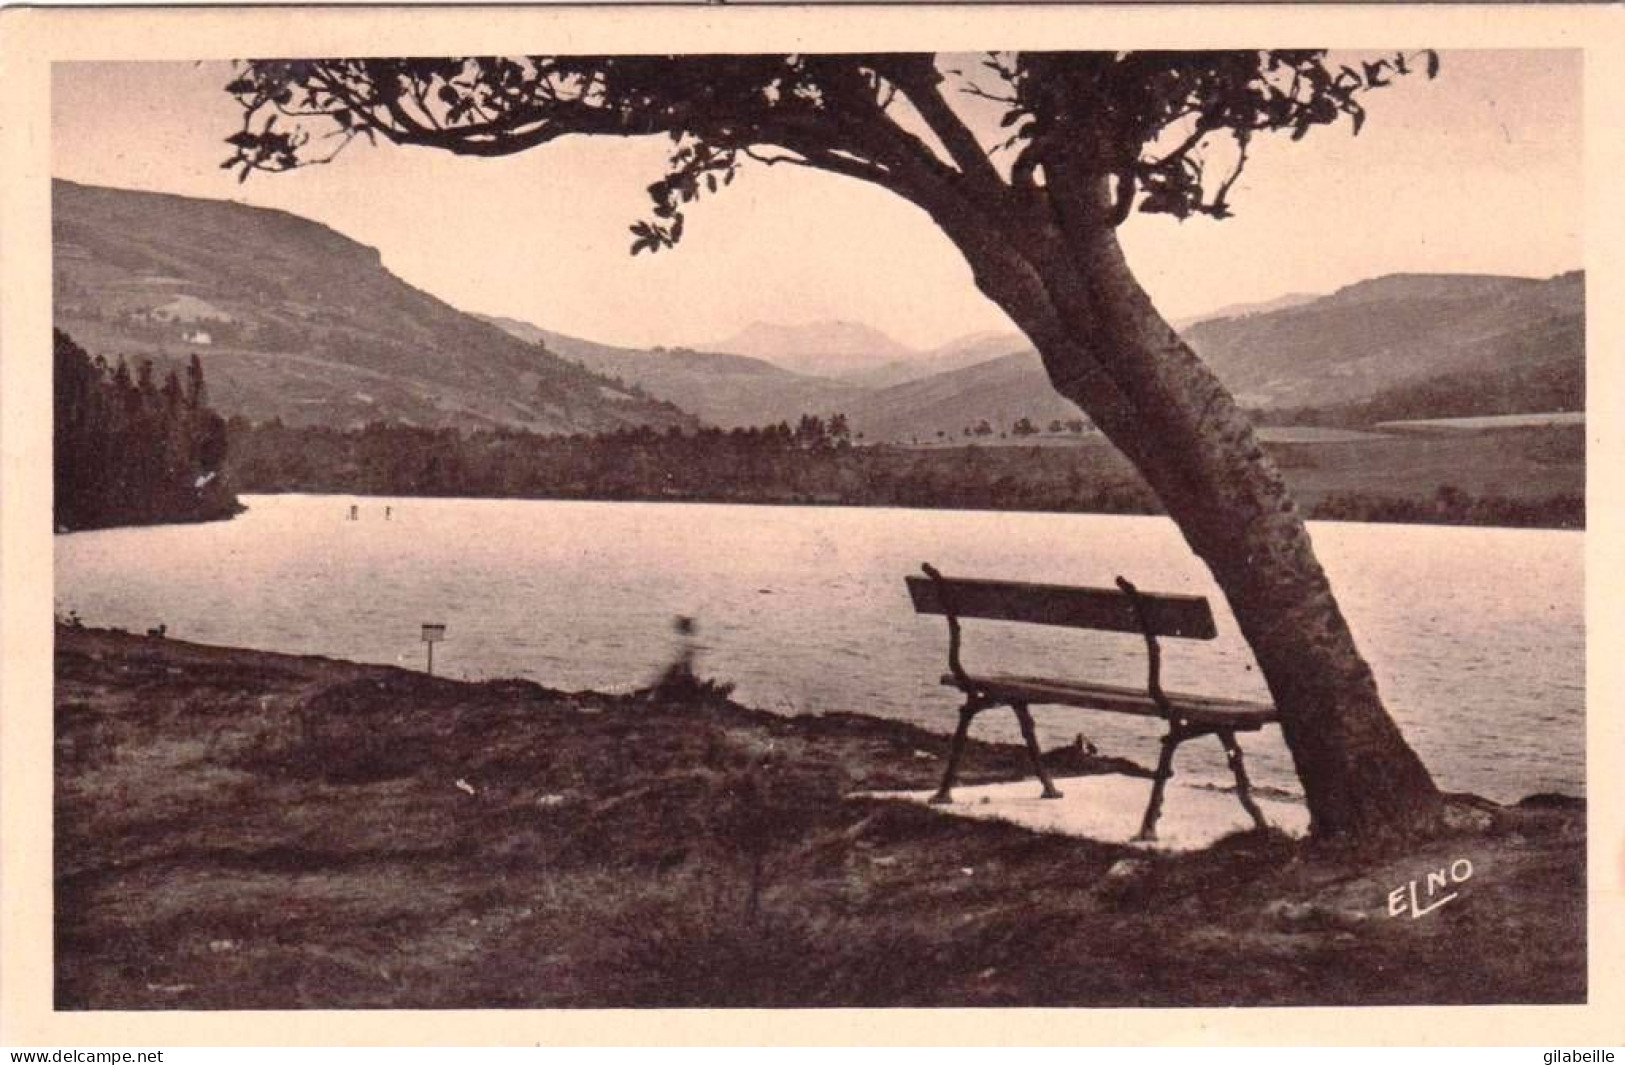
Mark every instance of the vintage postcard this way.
pixel 602 519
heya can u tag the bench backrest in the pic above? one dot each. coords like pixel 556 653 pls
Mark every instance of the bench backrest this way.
pixel 1105 609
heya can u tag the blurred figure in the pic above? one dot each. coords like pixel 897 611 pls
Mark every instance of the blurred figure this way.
pixel 679 683
pixel 681 672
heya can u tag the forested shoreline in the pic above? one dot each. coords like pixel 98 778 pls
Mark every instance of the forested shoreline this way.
pixel 814 462
pixel 129 450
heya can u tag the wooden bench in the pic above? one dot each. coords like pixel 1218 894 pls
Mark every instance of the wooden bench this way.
pixel 1125 609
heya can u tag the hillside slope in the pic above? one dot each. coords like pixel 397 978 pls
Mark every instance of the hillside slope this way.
pixel 296 321
pixel 1392 331
pixel 999 391
pixel 1405 345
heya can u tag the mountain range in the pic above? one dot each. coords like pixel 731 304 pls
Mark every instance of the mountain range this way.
pixel 1405 345
pixel 857 354
pixel 296 321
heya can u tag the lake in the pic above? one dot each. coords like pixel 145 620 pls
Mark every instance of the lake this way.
pixel 1476 635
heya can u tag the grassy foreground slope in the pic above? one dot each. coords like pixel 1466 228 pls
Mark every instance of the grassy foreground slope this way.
pixel 242 830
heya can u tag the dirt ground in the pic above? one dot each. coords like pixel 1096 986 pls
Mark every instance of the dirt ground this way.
pixel 245 830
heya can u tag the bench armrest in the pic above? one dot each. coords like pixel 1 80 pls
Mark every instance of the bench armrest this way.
pixel 1153 650
pixel 954 666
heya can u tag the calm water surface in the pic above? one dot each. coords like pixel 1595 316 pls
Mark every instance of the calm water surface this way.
pixel 1476 635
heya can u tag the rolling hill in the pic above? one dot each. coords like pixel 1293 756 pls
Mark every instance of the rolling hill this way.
pixel 295 321
pixel 722 389
pixel 1245 310
pixel 999 391
pixel 1404 345
pixel 1385 334
pixel 954 355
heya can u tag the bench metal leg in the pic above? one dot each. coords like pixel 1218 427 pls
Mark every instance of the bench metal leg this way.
pixel 1025 718
pixel 1232 751
pixel 944 793
pixel 1177 734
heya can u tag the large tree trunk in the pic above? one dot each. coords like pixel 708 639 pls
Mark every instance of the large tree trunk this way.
pixel 1107 349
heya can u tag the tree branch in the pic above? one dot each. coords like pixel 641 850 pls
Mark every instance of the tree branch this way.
pixel 920 81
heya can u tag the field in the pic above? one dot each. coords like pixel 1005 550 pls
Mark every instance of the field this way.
pixel 1488 421
pixel 1528 467
pixel 1525 464
pixel 251 831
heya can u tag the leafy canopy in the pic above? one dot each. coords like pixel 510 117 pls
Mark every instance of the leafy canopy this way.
pixel 1166 132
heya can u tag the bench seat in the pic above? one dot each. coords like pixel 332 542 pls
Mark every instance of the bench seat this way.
pixel 1124 609
pixel 1237 714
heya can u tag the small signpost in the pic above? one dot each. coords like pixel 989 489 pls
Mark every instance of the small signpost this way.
pixel 432 634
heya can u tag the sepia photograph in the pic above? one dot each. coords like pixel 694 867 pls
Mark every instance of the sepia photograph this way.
pixel 727 528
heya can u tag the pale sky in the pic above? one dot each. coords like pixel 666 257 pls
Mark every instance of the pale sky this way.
pixel 1477 171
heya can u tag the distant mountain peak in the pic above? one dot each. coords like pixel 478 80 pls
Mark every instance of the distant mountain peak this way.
pixel 833 348
pixel 831 336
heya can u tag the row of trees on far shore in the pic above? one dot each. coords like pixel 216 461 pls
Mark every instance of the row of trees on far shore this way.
pixel 130 450
pixel 813 462
pixel 1023 426
pixel 809 463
